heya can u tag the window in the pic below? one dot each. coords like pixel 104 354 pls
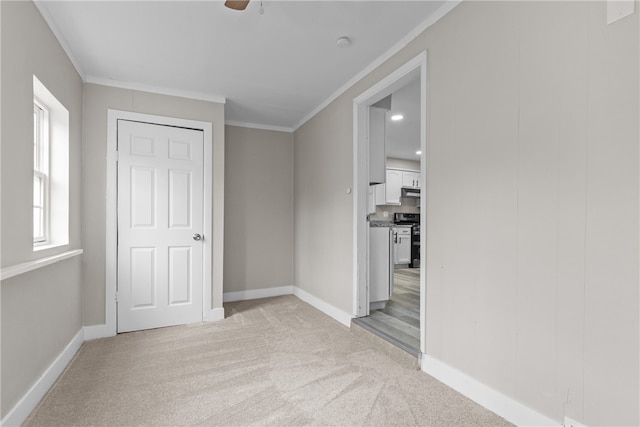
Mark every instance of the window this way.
pixel 40 173
pixel 50 169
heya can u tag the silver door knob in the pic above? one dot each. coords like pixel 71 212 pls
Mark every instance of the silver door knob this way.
pixel 197 237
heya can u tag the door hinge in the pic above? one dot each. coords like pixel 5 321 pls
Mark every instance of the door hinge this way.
pixel 117 156
pixel 116 296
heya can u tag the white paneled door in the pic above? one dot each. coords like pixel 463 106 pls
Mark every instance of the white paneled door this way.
pixel 160 220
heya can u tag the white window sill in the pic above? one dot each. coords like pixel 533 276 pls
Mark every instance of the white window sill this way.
pixel 44 246
pixel 25 267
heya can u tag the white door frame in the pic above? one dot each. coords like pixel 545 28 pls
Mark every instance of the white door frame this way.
pixel 112 210
pixel 361 105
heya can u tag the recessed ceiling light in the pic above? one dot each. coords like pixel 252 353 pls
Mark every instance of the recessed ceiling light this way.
pixel 418 152
pixel 397 117
pixel 343 42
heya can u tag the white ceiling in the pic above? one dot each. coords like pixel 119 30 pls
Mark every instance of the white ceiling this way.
pixel 274 70
pixel 403 137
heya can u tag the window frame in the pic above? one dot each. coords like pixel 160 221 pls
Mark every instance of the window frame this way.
pixel 41 143
pixel 56 131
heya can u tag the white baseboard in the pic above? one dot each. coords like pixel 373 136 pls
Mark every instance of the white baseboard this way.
pixel 102 331
pixel 257 293
pixel 570 422
pixel 484 395
pixel 30 400
pixel 328 309
pixel 214 315
pixel 94 332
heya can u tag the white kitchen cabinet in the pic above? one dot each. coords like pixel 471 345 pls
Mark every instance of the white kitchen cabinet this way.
pixel 401 237
pixel 389 192
pixel 377 153
pixel 410 179
pixel 379 264
pixel 381 194
pixel 371 200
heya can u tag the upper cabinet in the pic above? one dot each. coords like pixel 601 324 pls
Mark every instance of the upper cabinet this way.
pixel 389 193
pixel 410 179
pixel 394 184
pixel 377 156
pixel 371 200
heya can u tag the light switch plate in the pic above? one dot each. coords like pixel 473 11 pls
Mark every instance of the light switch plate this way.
pixel 618 9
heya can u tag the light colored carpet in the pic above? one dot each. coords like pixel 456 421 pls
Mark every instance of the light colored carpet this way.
pixel 275 361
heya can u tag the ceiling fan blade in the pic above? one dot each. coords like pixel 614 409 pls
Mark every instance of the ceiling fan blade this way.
pixel 236 4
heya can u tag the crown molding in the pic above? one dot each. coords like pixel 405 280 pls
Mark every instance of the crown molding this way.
pixel 201 96
pixel 258 126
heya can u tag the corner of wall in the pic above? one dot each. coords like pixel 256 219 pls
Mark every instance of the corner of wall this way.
pixel 328 309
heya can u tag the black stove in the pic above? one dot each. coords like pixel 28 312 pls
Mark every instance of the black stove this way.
pixel 413 220
pixel 406 218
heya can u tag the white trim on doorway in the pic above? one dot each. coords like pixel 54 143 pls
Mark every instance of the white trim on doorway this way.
pixel 111 214
pixel 361 104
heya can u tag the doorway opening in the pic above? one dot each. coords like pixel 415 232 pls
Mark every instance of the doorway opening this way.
pixel 390 207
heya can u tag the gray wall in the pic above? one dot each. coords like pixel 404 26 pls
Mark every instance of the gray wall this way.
pixel 533 184
pixel 41 314
pixel 97 100
pixel 323 232
pixel 41 310
pixel 1 414
pixel 258 209
pixel 532 188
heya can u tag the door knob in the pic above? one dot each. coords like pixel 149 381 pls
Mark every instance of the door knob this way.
pixel 197 237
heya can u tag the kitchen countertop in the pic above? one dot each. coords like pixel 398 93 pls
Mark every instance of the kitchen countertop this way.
pixel 376 223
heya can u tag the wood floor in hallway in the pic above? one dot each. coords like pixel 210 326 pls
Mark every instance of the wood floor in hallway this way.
pixel 399 321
